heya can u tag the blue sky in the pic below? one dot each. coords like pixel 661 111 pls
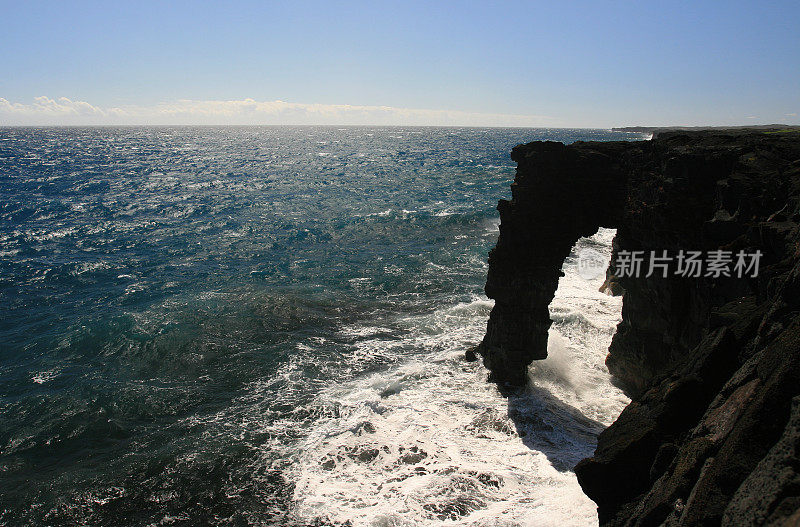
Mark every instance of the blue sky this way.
pixel 583 64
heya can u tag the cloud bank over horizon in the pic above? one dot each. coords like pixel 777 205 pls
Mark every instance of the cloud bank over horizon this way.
pixel 44 111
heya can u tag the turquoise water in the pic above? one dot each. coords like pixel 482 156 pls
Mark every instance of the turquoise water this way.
pixel 174 300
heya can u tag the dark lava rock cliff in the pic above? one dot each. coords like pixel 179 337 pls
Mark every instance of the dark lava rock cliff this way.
pixel 712 364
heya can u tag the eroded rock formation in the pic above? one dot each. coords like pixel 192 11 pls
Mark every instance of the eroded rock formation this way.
pixel 712 364
pixel 555 202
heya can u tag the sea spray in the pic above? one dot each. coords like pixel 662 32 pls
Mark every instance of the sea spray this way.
pixel 429 440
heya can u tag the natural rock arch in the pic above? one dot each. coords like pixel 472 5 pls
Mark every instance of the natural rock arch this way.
pixel 559 194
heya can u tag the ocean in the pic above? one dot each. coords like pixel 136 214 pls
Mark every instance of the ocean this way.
pixel 266 326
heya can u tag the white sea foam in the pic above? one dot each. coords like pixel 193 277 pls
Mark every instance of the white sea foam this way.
pixel 87 267
pixel 430 442
pixel 45 376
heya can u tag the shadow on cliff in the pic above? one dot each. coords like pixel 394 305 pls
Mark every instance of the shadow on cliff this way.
pixel 550 426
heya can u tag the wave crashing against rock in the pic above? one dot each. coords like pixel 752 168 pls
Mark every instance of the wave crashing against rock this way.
pixel 711 362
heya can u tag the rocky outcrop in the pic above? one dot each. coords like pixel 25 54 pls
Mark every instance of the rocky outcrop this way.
pixel 712 363
pixel 555 202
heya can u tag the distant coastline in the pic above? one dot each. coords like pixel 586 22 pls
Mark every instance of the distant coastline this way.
pixel 659 129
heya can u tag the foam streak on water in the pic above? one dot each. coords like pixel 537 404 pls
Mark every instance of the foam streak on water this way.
pixel 429 442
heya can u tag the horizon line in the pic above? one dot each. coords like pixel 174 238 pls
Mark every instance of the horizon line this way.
pixel 621 128
pixel 44 111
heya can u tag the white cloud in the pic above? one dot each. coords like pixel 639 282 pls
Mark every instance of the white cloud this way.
pixel 47 107
pixel 64 111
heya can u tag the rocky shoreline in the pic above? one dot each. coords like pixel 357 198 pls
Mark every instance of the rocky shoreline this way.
pixel 712 363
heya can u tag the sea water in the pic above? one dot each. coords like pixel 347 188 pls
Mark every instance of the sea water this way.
pixel 266 325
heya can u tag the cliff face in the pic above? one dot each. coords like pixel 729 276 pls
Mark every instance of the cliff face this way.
pixel 712 363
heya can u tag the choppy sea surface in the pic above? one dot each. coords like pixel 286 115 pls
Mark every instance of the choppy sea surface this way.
pixel 266 326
